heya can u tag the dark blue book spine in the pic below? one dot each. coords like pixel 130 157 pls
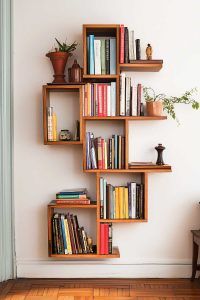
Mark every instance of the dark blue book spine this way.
pixel 63 233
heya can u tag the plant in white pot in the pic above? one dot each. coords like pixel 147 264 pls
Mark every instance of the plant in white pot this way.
pixel 156 104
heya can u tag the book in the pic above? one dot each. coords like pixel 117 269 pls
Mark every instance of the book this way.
pixel 73 201
pixel 75 191
pixel 50 123
pixel 122 94
pixel 128 95
pixel 126 45
pixel 91 53
pixel 113 56
pixel 121 60
pixel 138 50
pixel 103 57
pixel 131 41
pixel 107 49
pixel 54 126
pixel 97 56
pixel 139 98
pixel 74 196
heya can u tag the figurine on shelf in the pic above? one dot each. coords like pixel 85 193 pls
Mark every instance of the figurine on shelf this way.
pixel 90 244
pixel 160 148
pixel 149 52
pixel 65 135
pixel 75 73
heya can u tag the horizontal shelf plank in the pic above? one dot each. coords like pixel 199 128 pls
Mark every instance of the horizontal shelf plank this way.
pixel 143 66
pixel 115 254
pixel 73 205
pixel 122 220
pixel 159 169
pixel 134 118
pixel 70 87
pixel 101 76
pixel 63 143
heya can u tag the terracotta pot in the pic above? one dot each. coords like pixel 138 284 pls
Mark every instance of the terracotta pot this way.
pixel 59 60
pixel 154 108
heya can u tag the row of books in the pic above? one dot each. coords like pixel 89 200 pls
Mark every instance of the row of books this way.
pixel 105 154
pixel 68 237
pixel 121 202
pixel 105 238
pixel 131 97
pixel 129 47
pixel 99 99
pixel 73 196
pixel 101 55
pixel 51 124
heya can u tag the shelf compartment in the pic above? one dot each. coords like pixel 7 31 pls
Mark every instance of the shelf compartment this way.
pixel 143 66
pixel 122 220
pixel 115 254
pixel 130 118
pixel 159 169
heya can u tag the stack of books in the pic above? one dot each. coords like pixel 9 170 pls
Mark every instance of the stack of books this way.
pixel 105 154
pixel 128 51
pixel 68 237
pixel 51 124
pixel 105 238
pixel 101 55
pixel 131 97
pixel 121 202
pixel 73 196
pixel 99 99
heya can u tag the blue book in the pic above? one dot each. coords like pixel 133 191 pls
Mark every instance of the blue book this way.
pixel 91 43
pixel 88 54
pixel 62 217
pixel 112 56
pixel 116 151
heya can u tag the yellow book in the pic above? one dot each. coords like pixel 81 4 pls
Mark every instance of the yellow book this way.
pixel 114 206
pixel 126 203
pixel 69 247
pixel 116 203
pixel 121 202
pixel 54 127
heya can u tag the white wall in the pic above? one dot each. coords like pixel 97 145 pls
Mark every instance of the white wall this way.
pixel 161 247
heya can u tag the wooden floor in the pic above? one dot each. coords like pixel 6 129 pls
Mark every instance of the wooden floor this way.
pixel 100 289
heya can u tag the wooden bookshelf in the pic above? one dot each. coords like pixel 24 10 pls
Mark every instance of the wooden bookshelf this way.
pixel 103 30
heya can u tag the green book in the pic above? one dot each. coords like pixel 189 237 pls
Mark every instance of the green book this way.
pixel 103 57
pixel 59 196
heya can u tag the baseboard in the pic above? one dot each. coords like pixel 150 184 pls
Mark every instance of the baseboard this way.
pixel 54 269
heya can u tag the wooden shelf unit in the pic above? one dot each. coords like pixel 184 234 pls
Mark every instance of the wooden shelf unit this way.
pixel 142 66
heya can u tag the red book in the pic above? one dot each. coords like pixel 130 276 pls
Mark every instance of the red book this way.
pixel 103 153
pixel 121 58
pixel 106 238
pixel 100 99
pixel 102 239
pixel 105 87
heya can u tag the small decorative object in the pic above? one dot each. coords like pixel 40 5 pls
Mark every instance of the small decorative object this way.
pixel 138 50
pixel 149 52
pixel 65 135
pixel 155 104
pixel 75 73
pixel 90 244
pixel 59 59
pixel 160 148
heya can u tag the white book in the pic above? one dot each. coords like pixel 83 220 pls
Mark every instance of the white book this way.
pixel 104 198
pixel 133 199
pixel 131 45
pixel 122 94
pixel 128 96
pixel 97 57
pixel 113 98
pixel 108 100
pixel 134 101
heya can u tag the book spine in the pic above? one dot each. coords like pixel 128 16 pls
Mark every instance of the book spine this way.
pixel 105 104
pixel 100 160
pixel 128 96
pixel 108 96
pixel 63 234
pixel 57 235
pixel 97 56
pixel 126 215
pixel 101 199
pixel 131 46
pixel 95 100
pixel 54 242
pixel 119 159
pixel 110 154
pixel 117 202
pixel 126 45
pixel 138 50
pixel 104 198
pixel 58 196
pixel 113 98
pixel 134 101
pixel 122 94
pixel 121 44
pixel 103 153
pixel 50 123
pixel 123 153
pixel 69 247
pixel 75 225
pixel 121 202
pixel 89 99
pixel 73 201
pixel 92 99
pixel 106 234
pixel 85 101
pixel 71 234
pixel 54 127
pixel 133 199
pixel 107 56
pixel 112 56
pixel 141 202
pixel 91 61
pixel 115 152
pixel 110 239
pixel 60 235
pixel 100 99
pixel 106 155
pixel 102 239
pixel 129 201
pixel 88 54
pixel 103 57
pixel 139 96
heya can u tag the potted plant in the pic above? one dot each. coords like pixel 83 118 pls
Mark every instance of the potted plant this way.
pixel 59 59
pixel 156 104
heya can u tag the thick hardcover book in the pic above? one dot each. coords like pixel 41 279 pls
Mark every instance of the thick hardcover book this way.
pixel 113 153
pixel 69 247
pixel 74 196
pixel 102 239
pixel 97 57
pixel 73 201
pixel 129 201
pixel 126 215
pixel 116 151
pixel 103 56
pixel 126 46
pixel 103 153
pixel 79 191
pixel 131 45
pixel 138 50
pixel 113 56
pixel 91 61
pixel 60 235
pixel 122 94
pixel 57 239
pixel 75 226
pixel 71 233
pixel 110 154
pixel 139 98
pixel 54 242
pixel 106 238
pixel 107 56
pixel 121 44
pixel 62 218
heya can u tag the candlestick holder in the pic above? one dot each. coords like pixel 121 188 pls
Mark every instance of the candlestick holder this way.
pixel 160 148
